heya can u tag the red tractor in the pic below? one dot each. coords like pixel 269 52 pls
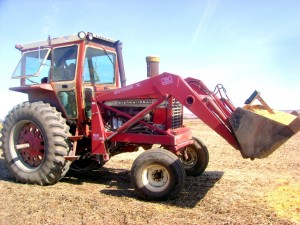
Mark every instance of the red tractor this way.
pixel 80 112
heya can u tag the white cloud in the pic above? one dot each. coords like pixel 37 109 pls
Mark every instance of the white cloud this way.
pixel 204 20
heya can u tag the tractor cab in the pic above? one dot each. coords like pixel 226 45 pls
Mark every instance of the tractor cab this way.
pixel 66 72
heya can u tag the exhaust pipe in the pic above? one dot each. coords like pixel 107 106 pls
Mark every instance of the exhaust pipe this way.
pixel 152 66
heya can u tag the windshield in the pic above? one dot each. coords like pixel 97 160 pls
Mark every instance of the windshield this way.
pixel 31 63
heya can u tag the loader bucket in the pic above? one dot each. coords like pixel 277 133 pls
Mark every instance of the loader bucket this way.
pixel 259 132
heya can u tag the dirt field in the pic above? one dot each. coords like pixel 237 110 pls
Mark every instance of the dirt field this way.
pixel 231 191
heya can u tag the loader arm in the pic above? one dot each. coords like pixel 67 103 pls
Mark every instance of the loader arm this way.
pixel 253 133
pixel 196 98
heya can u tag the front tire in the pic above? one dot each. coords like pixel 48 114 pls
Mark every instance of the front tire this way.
pixel 157 175
pixel 194 158
pixel 35 141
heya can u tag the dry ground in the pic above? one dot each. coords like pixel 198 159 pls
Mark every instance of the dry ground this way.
pixel 231 191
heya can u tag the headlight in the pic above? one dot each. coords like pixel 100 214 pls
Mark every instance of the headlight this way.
pixel 81 35
pixel 90 36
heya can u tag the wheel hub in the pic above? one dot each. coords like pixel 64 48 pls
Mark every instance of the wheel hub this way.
pixel 188 157
pixel 34 154
pixel 157 175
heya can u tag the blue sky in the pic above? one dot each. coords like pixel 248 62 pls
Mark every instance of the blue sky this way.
pixel 245 45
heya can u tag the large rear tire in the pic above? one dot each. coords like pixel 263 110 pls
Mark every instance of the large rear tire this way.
pixel 34 142
pixel 194 158
pixel 157 175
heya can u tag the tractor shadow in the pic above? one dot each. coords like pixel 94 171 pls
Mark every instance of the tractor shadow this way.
pixel 117 183
pixel 4 171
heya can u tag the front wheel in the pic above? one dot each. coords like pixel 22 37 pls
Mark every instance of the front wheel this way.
pixel 35 141
pixel 157 174
pixel 194 158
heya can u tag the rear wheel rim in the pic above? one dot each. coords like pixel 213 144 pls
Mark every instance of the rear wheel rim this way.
pixel 27 145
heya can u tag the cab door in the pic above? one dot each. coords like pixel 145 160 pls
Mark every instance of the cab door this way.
pixel 64 63
pixel 99 74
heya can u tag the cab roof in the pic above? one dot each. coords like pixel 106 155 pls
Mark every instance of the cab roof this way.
pixel 67 39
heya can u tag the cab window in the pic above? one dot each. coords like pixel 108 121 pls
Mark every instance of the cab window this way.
pixel 99 66
pixel 64 63
pixel 33 66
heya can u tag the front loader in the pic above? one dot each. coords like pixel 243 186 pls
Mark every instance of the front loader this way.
pixel 80 113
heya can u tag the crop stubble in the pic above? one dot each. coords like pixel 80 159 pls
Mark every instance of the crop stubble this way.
pixel 231 191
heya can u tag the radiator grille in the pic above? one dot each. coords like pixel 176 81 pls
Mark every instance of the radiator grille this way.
pixel 177 111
